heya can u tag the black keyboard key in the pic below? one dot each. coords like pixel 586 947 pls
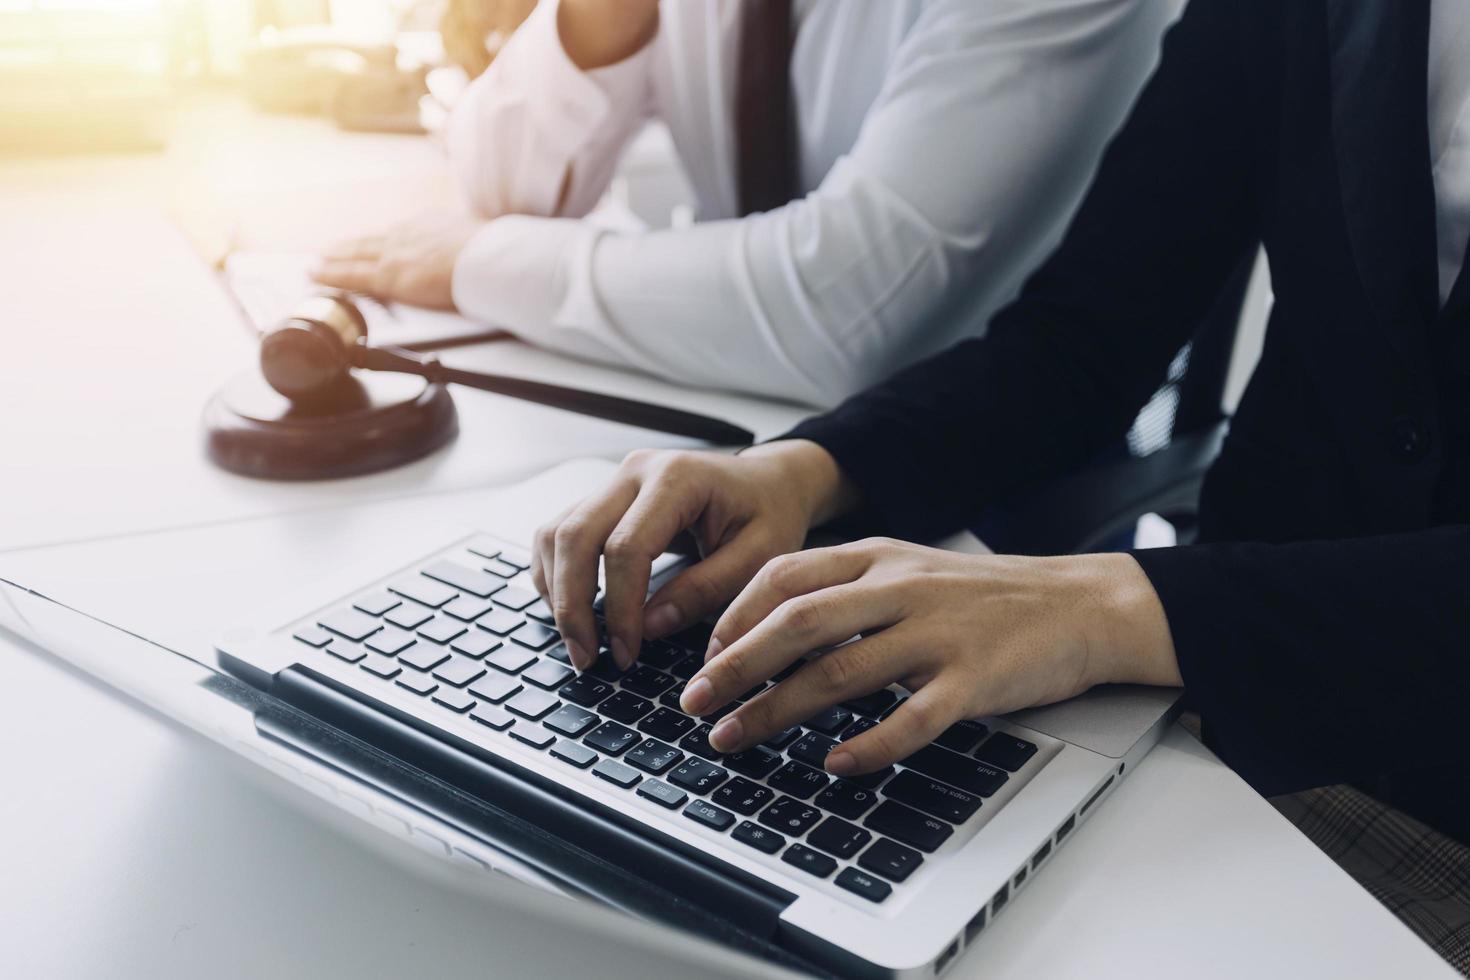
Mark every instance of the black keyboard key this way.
pixel 787 671
pixel 698 776
pixel 720 712
pixel 812 749
pixel 492 716
pixel 455 700
pixel 670 698
pixel 858 726
pixel 626 707
pixel 502 569
pixel 475 644
pixel 893 707
pixel 839 838
pixel 782 738
pixel 616 773
pixel 425 591
pixel 441 629
pixel 605 668
pixel 697 742
pixel 343 650
pixel 754 762
pixel 574 753
pixel 662 793
pixel 612 738
pixel 743 796
pixel 667 724
pixel 533 704
pixel 789 816
pixel 423 656
pixel 540 611
pixel 381 666
pixel 515 597
pixel 846 799
pixel 535 636
pixel 500 622
pixel 548 674
pixel 350 623
pixel 313 636
pixel 417 683
pixel 391 641
pixel 829 722
pixel 660 655
pixel 863 884
pixel 968 774
pixel 710 815
pixel 377 603
pixel 586 691
pixel 571 721
pixel 962 736
pixel 652 756
pixel 933 797
pixel 871 705
pixel 533 735
pixel 891 860
pixel 872 780
pixel 687 667
pixel 694 638
pixel 559 653
pixel 409 616
pixel 797 779
pixel 910 826
pixel 477 584
pixel 646 681
pixel 1006 751
pixel 763 840
pixel 459 671
pixel 752 692
pixel 467 608
pixel 810 861
pixel 512 660
pixel 494 688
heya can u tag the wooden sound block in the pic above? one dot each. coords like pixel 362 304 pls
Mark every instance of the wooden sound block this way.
pixel 363 425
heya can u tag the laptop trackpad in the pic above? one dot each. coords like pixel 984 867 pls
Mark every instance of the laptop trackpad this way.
pixel 1109 719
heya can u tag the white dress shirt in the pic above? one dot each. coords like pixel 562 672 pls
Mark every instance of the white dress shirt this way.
pixel 943 145
pixel 1449 133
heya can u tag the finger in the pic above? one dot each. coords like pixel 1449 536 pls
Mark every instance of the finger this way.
pixel 796 628
pixel 663 508
pixel 543 554
pixel 781 579
pixel 916 723
pixel 353 275
pixel 365 247
pixel 578 541
pixel 702 588
pixel 851 671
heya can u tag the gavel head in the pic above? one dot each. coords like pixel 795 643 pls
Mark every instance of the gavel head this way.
pixel 308 354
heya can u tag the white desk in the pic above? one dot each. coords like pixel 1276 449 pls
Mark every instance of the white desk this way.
pixel 138 852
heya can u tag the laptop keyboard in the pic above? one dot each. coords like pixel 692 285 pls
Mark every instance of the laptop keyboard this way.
pixel 471 637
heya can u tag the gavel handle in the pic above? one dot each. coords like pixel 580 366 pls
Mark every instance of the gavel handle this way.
pixel 659 418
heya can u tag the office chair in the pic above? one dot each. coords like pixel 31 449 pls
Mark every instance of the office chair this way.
pixel 1159 470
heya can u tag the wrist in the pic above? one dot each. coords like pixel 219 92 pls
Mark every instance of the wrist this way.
pixel 598 33
pixel 812 475
pixel 1130 641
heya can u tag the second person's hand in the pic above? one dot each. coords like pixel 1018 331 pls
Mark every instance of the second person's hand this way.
pixel 742 511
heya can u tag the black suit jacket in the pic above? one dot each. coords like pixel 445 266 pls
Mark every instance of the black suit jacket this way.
pixel 1323 627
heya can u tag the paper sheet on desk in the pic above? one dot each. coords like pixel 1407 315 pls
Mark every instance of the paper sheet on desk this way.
pixel 270 285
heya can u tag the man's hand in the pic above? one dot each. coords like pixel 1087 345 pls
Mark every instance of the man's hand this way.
pixel 413 263
pixel 968 635
pixel 742 511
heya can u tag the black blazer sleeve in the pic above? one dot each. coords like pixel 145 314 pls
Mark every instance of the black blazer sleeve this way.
pixel 1324 661
pixel 1065 369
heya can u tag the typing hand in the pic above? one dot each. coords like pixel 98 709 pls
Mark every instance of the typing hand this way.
pixel 742 511
pixel 968 635
pixel 412 263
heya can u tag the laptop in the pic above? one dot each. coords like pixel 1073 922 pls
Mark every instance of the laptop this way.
pixel 453 664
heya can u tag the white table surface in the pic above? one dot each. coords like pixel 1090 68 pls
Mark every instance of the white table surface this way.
pixel 137 851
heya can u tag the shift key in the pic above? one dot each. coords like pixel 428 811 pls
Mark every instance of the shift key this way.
pixel 957 770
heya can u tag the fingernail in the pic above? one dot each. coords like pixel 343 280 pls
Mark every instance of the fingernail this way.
pixel 715 646
pixel 620 653
pixel 661 619
pixel 726 734
pixel 577 655
pixel 838 763
pixel 697 696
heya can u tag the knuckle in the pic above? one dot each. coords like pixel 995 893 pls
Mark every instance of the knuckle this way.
pixel 780 572
pixel 802 616
pixel 621 547
pixel 568 534
pixel 836 670
pixel 927 716
pixel 639 458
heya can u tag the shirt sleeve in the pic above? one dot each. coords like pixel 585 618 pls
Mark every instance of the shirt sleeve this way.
pixel 991 112
pixel 535 134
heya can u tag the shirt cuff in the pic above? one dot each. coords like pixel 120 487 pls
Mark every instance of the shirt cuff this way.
pixel 513 273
